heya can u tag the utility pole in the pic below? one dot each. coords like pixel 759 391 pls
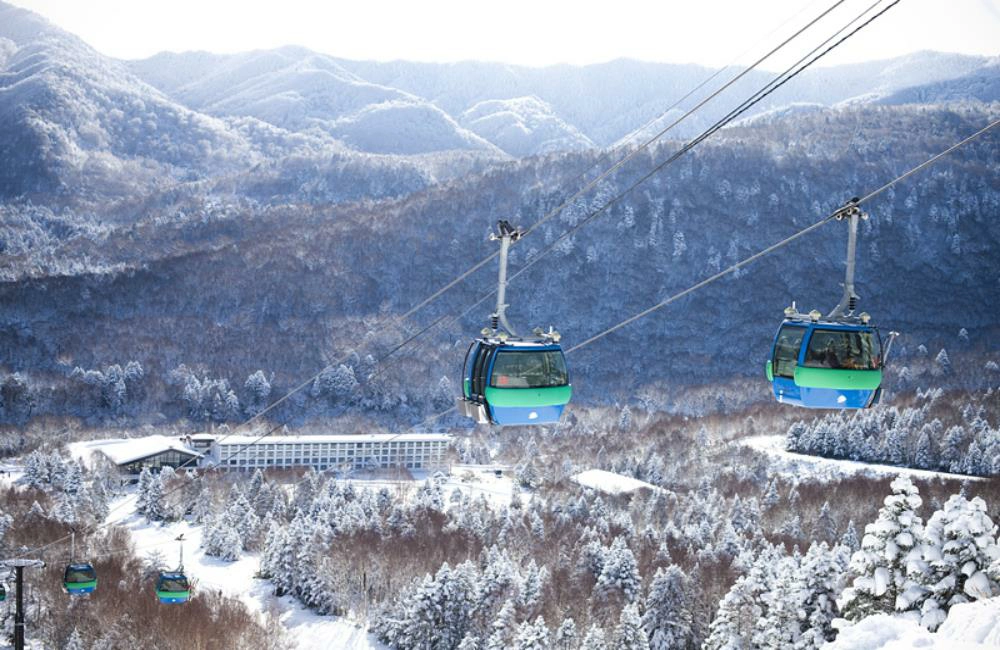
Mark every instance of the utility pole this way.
pixel 18 566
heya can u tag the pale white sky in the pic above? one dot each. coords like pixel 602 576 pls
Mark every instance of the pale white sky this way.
pixel 529 32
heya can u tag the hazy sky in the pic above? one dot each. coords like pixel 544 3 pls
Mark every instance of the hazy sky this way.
pixel 530 32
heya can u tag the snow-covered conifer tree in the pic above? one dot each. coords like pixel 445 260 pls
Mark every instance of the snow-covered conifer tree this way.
pixel 142 491
pixel 532 636
pixel 825 529
pixel 619 573
pixel 890 544
pixel 629 634
pixel 667 616
pixel 502 628
pixel 961 554
pixel 595 639
pixel 566 635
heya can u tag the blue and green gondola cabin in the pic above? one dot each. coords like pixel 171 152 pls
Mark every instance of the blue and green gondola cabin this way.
pixel 826 365
pixel 80 579
pixel 172 587
pixel 515 382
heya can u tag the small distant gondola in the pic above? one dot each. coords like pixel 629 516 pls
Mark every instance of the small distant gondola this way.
pixel 80 578
pixel 173 587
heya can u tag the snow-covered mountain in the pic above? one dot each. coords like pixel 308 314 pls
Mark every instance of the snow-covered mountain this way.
pixel 74 121
pixel 523 126
pixel 298 90
pixel 521 110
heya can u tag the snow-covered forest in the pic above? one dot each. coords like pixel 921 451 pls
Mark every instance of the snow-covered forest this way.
pixel 720 552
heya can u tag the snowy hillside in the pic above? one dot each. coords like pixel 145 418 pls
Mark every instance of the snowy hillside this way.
pixel 295 89
pixel 73 120
pixel 523 126
pixel 521 110
pixel 405 127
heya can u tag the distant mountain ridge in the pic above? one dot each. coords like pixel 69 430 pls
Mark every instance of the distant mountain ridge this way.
pixel 77 127
pixel 568 106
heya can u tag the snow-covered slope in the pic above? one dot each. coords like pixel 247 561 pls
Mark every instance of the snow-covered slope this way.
pixel 792 464
pixel 523 126
pixel 521 110
pixel 71 120
pixel 405 127
pixel 611 483
pixel 296 89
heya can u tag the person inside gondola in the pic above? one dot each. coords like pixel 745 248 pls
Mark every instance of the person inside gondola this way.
pixel 830 358
pixel 173 585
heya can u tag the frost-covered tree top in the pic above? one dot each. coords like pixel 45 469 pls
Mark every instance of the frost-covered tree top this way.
pixel 889 548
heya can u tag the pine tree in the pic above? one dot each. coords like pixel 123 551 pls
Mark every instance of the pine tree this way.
pixel 629 634
pixel 532 636
pixel 961 554
pixel 924 457
pixel 889 545
pixel 741 607
pixel 667 616
pixel 142 491
pixel 821 576
pixel 781 598
pixel 595 639
pixel 942 362
pixel 156 506
pixel 531 587
pixel 771 496
pixel 619 573
pixel 850 537
pixel 566 635
pixel 502 628
pixel 825 529
pixel 625 419
pixel 258 391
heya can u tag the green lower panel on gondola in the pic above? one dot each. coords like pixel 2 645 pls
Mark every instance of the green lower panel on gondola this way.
pixel 529 397
pixel 838 378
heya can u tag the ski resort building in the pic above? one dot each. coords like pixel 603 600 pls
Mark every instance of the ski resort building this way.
pixel 351 451
pixel 132 455
pixel 345 451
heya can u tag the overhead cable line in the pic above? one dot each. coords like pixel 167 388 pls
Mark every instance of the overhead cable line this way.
pixel 779 80
pixel 632 154
pixel 781 244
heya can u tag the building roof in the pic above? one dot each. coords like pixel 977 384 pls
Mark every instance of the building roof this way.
pixel 123 452
pixel 348 438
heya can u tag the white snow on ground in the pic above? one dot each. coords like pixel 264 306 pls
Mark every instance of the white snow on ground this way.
pixel 793 464
pixel 309 631
pixel 497 489
pixel 973 626
pixel 972 623
pixel 610 483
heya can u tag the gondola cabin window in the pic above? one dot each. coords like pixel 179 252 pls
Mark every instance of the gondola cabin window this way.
pixel 529 369
pixel 845 349
pixel 786 350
